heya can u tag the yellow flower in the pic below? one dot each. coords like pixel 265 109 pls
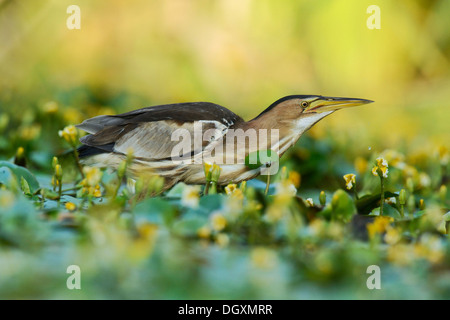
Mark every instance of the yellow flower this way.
pixel 424 180
pixel 295 178
pixel 379 225
pixel 431 248
pixel 70 206
pixel 70 134
pixel 55 182
pixel 285 189
pixel 147 231
pixel 58 172
pixel 218 222
pixel 310 202
pixel 360 165
pixel 409 171
pixel 54 162
pixel 395 158
pixel 322 198
pixel 421 204
pixel 350 179
pixel 30 132
pixel 222 239
pixel 207 167
pixel 263 258
pixel 97 192
pixel 392 235
pixel 215 174
pixel 204 232
pixel 229 189
pixel 20 152
pixel 93 175
pixel 382 165
pixel 401 254
pixel 444 155
pixel 50 107
pixel 190 196
pixel 391 200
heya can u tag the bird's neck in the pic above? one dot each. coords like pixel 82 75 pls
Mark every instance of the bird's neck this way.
pixel 289 130
pixel 281 134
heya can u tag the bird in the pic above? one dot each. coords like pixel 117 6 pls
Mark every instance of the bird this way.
pixel 175 141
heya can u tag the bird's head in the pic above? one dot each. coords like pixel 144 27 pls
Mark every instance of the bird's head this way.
pixel 300 112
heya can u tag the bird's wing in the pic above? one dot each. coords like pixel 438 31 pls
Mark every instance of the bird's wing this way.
pixel 152 132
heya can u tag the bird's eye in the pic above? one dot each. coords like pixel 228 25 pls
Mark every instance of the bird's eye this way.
pixel 305 104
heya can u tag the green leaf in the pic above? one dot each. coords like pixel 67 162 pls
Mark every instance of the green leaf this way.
pixel 8 178
pixel 369 202
pixel 189 227
pixel 155 210
pixel 21 172
pixel 25 187
pixel 342 206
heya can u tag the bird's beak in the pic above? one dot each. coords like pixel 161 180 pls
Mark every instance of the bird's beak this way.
pixel 324 104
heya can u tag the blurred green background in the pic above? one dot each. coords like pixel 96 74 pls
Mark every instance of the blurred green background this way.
pixel 240 54
pixel 244 55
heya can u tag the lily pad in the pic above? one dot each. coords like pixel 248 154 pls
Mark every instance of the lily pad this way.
pixel 19 173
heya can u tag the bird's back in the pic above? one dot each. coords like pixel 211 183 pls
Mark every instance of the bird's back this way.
pixel 106 131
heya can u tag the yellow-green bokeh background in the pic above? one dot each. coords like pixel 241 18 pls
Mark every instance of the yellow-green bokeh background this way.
pixel 243 54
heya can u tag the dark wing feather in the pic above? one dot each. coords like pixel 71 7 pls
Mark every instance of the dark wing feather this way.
pixel 137 129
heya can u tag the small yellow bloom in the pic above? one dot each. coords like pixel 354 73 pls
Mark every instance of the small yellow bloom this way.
pixel 350 179
pixel 58 172
pixel 401 254
pixel 70 134
pixel 391 200
pixel 424 180
pixel 147 231
pixel 444 155
pixel 50 107
pixel 421 204
pixel 93 175
pixel 310 202
pixel 409 171
pixel 382 165
pixel 97 192
pixel 54 162
pixel 190 196
pixel 395 158
pixel 20 152
pixel 55 182
pixel 285 189
pixel 360 165
pixel 70 206
pixel 30 132
pixel 295 178
pixel 204 232
pixel 431 248
pixel 222 239
pixel 218 222
pixel 207 167
pixel 392 236
pixel 229 189
pixel 263 258
pixel 379 225
pixel 322 198
pixel 215 174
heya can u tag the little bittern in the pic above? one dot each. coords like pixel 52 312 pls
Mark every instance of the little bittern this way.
pixel 175 140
